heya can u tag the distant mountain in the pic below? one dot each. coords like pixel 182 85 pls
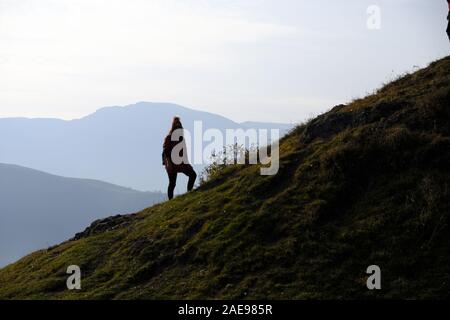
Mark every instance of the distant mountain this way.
pixel 38 210
pixel 121 145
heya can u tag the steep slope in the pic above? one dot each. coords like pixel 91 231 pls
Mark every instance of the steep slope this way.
pixel 120 145
pixel 366 183
pixel 38 209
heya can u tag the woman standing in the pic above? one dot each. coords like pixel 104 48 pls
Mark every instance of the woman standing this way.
pixel 176 161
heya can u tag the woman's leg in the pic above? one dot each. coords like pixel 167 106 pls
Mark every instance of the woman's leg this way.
pixel 172 184
pixel 189 171
pixel 192 177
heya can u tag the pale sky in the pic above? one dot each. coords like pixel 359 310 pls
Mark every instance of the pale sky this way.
pixel 260 60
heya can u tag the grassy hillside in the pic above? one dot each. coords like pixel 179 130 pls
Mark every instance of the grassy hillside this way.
pixel 366 183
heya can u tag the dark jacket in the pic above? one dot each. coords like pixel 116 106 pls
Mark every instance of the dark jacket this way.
pixel 168 146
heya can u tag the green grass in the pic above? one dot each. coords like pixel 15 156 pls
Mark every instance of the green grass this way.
pixel 366 183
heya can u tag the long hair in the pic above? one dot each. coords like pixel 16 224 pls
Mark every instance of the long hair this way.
pixel 176 124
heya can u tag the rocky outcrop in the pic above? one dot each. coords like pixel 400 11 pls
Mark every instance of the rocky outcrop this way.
pixel 104 225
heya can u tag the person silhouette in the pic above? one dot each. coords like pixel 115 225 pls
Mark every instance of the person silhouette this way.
pixel 448 19
pixel 177 161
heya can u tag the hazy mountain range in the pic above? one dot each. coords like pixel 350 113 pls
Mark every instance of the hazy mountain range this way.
pixel 120 145
pixel 38 210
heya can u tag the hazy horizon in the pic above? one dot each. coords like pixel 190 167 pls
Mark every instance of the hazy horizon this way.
pixel 258 60
pixel 192 108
